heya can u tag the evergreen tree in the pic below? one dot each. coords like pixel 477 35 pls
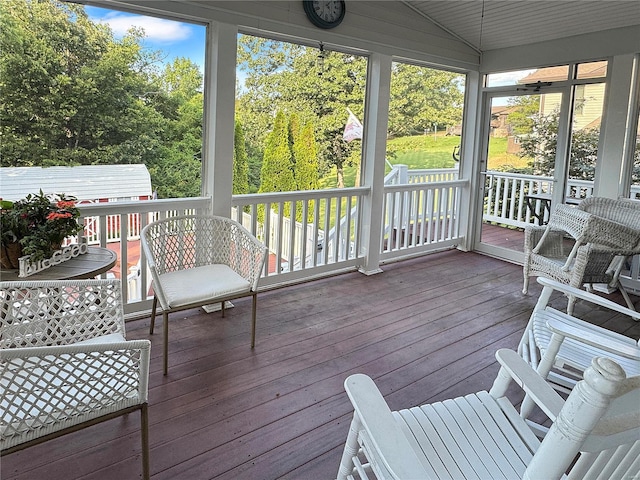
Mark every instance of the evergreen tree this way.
pixel 240 164
pixel 276 174
pixel 304 154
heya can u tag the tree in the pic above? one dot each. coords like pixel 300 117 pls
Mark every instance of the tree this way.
pixel 177 94
pixel 285 76
pixel 276 174
pixel 305 160
pixel 421 97
pixel 72 94
pixel 240 164
pixel 522 118
pixel 542 143
pixel 291 78
pixel 69 92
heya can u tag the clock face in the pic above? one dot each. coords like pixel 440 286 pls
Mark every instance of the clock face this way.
pixel 325 14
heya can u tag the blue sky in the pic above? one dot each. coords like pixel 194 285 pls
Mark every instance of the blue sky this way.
pixel 176 39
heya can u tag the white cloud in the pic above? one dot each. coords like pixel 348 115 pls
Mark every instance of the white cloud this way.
pixel 507 78
pixel 156 29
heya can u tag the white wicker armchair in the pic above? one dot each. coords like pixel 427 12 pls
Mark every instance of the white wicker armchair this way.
pixel 65 362
pixel 197 260
pixel 605 233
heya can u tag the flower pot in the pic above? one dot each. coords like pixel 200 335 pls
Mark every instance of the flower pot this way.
pixel 9 255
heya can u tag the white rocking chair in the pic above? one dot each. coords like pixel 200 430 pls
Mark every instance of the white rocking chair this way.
pixel 65 363
pixel 560 346
pixel 482 436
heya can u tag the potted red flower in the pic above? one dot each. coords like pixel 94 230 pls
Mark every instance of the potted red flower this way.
pixel 36 226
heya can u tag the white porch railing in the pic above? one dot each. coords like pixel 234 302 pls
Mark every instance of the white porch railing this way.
pixel 505 197
pixel 400 175
pixel 421 213
pixel 421 217
pixel 505 202
pixel 324 239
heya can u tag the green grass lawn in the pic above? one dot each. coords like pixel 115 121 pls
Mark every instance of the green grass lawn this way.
pixel 429 152
pixel 418 152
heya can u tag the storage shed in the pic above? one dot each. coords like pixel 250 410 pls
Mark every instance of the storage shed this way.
pixel 88 183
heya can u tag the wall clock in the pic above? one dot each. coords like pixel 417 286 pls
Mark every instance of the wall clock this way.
pixel 325 14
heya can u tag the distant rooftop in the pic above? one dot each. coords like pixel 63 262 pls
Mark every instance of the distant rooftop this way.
pixel 86 183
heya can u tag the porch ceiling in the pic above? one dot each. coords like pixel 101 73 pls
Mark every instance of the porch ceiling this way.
pixel 492 24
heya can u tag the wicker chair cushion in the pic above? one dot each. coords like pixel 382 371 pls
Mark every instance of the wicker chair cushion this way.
pixel 197 285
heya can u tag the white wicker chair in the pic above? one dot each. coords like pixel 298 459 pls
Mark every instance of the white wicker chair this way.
pixel 595 433
pixel 66 363
pixel 197 260
pixel 606 232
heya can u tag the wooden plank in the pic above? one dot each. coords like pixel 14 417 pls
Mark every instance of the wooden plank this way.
pixel 425 329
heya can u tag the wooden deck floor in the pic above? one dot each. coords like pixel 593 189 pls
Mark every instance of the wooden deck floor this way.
pixel 424 329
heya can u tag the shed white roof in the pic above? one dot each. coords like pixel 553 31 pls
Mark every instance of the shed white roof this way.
pixel 87 182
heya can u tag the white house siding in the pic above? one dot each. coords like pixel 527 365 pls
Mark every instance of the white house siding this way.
pixel 591 112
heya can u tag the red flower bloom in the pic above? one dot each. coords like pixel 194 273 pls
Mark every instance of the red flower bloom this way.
pixel 65 204
pixel 58 215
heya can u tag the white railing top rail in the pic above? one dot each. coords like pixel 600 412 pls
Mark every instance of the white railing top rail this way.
pixel 435 185
pixel 392 175
pixel 519 176
pixel 432 171
pixel 278 197
pixel 143 206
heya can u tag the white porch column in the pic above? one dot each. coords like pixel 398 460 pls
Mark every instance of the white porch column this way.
pixel 373 156
pixel 617 138
pixel 473 163
pixel 218 128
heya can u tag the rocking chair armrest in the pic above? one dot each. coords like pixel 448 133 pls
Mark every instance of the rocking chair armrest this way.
pixel 587 296
pixel 383 432
pixel 620 424
pixel 514 368
pixel 624 347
